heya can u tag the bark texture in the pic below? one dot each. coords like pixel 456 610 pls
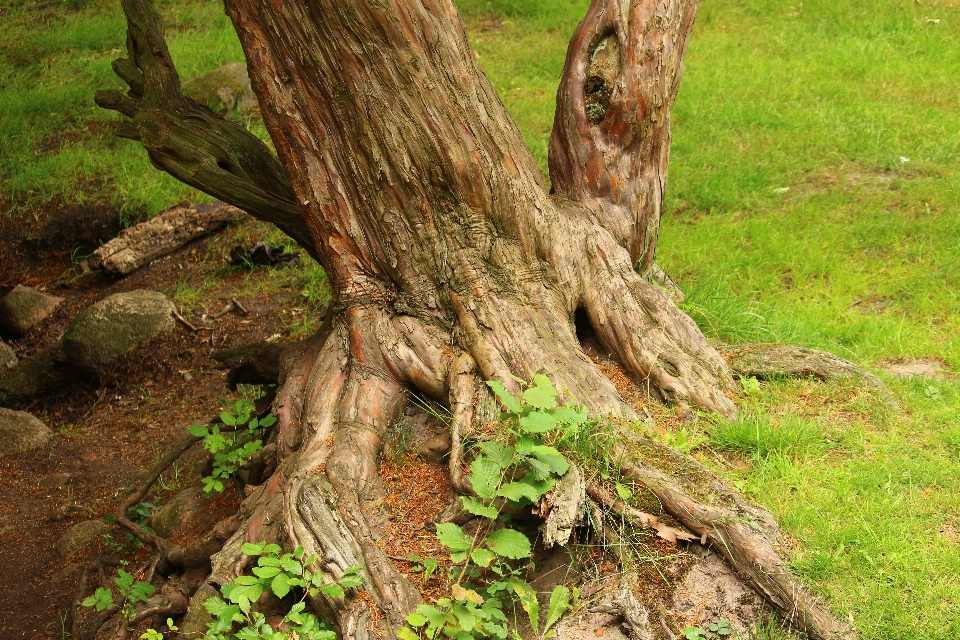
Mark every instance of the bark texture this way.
pixel 451 263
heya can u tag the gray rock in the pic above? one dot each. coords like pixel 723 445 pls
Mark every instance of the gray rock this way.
pixel 194 624
pixel 31 376
pixel 79 536
pixel 223 89
pixel 8 359
pixel 20 431
pixel 110 328
pixel 178 514
pixel 24 307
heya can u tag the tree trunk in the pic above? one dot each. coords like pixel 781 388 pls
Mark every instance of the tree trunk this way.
pixel 451 263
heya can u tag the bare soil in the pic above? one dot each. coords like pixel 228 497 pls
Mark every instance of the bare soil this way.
pixel 111 429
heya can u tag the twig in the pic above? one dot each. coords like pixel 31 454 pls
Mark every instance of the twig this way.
pixel 184 321
pixel 239 306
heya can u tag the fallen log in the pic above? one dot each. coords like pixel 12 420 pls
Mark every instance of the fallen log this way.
pixel 161 235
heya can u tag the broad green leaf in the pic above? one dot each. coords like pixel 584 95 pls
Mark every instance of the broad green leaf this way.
pixel 559 603
pixel 571 415
pixel 495 630
pixel 245 581
pixel 537 422
pixel 465 617
pixel 482 557
pixel 504 396
pixel 252 548
pixel 540 485
pixel 525 445
pixel 484 476
pixel 433 615
pixel 198 430
pixel 275 548
pixel 517 491
pixel 457 557
pixel 453 537
pixel 497 451
pixel 228 418
pixel 416 620
pixel 333 590
pixel 552 458
pixel 541 395
pixel 429 566
pixel 124 580
pixel 280 585
pixel 291 564
pixel 477 508
pixel 528 600
pixel 405 633
pixel 509 544
pixel 624 492
pixel 539 470
pixel 265 572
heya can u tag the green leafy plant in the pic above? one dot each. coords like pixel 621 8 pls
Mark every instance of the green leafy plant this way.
pixel 231 449
pixel 683 440
pixel 427 565
pixel 131 592
pixel 286 575
pixel 694 633
pixel 720 627
pixel 506 475
pixel 152 634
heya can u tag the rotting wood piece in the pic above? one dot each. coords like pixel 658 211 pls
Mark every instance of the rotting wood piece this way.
pixel 161 235
pixel 766 360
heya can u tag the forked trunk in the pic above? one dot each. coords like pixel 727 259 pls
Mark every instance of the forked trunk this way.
pixel 450 261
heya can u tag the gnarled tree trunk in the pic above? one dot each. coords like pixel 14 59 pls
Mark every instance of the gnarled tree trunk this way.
pixel 451 263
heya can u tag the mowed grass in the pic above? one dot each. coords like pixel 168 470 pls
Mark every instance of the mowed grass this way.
pixel 813 198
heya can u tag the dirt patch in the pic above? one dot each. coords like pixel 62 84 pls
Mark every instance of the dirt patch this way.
pixel 111 429
pixel 918 368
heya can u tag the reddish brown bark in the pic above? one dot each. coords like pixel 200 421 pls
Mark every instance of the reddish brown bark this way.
pixel 450 262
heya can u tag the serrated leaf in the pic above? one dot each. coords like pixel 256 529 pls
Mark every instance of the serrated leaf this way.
pixel 517 491
pixel 456 557
pixel 624 492
pixel 252 548
pixel 509 544
pixel 537 422
pixel 333 590
pixel 477 508
pixel 552 458
pixel 453 537
pixel 280 585
pixel 571 415
pixel 482 557
pixel 539 470
pixel 505 397
pixel 484 476
pixel 559 604
pixel 540 485
pixel 528 600
pixel 541 395
pixel 291 564
pixel 198 430
pixel 228 418
pixel 416 620
pixel 268 421
pixel 497 451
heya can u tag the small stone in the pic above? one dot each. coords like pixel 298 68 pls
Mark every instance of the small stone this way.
pixel 117 324
pixel 24 307
pixel 194 624
pixel 8 359
pixel 80 536
pixel 435 449
pixel 55 481
pixel 20 431
pixel 67 571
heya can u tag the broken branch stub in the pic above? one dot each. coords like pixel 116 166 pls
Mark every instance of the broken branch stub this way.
pixel 164 233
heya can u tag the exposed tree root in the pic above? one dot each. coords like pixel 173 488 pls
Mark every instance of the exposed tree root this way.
pixel 768 360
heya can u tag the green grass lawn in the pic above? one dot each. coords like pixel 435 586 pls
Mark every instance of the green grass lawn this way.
pixel 814 198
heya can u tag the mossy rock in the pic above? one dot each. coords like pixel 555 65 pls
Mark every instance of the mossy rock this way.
pixel 117 324
pixel 20 431
pixel 194 624
pixel 224 90
pixel 80 536
pixel 8 359
pixel 23 308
